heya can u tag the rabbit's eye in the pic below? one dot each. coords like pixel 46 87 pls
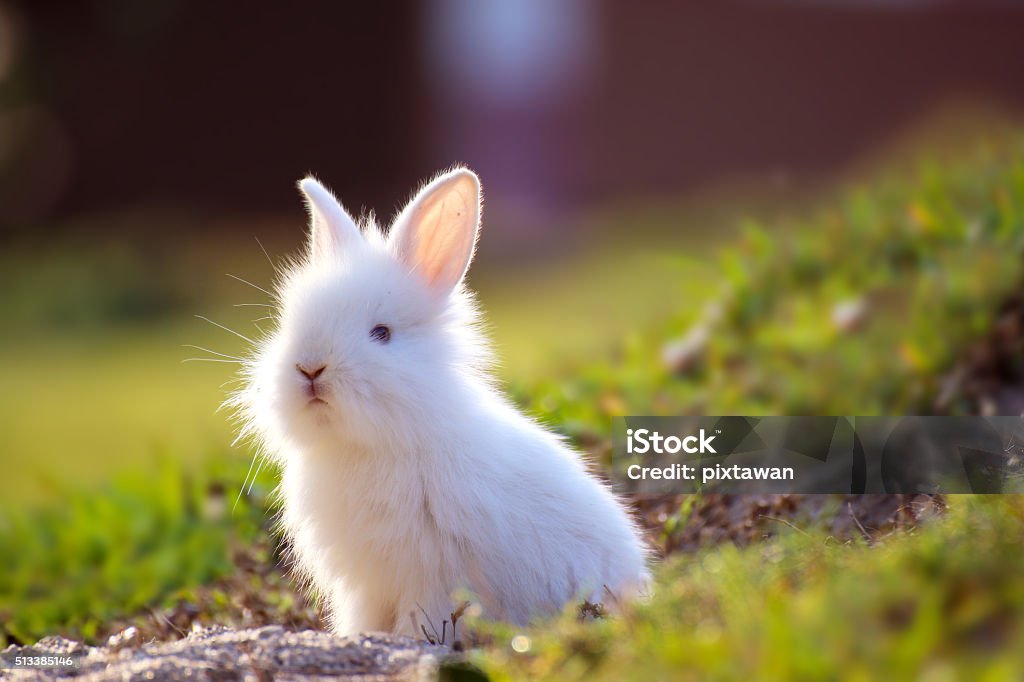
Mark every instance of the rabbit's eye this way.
pixel 381 333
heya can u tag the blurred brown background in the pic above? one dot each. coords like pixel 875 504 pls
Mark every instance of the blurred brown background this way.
pixel 221 106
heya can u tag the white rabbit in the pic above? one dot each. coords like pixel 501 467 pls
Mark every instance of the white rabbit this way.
pixel 406 475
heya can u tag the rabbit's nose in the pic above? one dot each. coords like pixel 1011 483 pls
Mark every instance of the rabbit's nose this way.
pixel 310 374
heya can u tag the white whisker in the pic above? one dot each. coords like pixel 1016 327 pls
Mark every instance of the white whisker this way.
pixel 230 362
pixel 245 281
pixel 230 331
pixel 207 350
pixel 242 489
pixel 258 305
pixel 259 466
pixel 274 267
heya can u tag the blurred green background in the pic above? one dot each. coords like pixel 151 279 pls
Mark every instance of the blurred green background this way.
pixel 671 226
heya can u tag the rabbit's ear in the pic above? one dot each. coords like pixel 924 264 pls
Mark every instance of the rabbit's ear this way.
pixel 435 235
pixel 331 229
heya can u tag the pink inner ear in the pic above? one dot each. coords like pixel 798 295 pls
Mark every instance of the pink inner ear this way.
pixel 444 238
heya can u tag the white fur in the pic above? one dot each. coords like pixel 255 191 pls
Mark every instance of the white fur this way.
pixel 418 479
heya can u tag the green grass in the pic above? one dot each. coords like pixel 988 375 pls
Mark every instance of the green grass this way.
pixel 928 257
pixel 942 603
pixel 114 444
pixel 74 567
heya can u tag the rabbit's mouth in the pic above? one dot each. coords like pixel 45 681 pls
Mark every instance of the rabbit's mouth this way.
pixel 315 393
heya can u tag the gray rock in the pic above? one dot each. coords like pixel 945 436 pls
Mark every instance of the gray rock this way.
pixel 267 653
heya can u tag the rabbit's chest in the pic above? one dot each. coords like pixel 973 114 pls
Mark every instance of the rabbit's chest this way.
pixel 361 511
